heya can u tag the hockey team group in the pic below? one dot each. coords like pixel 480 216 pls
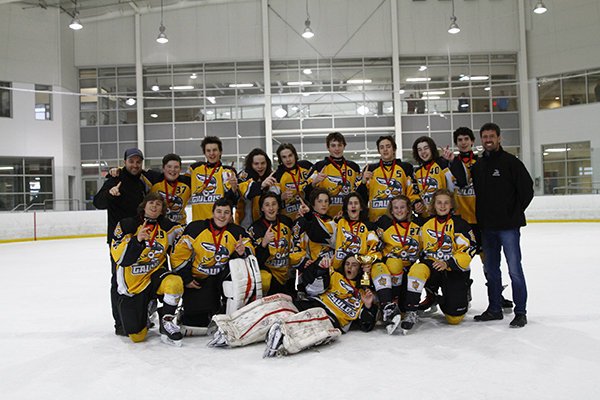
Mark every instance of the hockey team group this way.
pixel 294 255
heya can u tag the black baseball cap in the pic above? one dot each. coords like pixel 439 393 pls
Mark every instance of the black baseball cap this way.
pixel 133 152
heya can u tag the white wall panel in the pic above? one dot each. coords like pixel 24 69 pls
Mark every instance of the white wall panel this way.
pixel 106 43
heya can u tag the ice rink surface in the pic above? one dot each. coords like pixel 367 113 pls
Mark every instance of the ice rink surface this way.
pixel 57 339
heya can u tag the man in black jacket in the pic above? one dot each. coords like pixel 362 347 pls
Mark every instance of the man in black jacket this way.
pixel 503 190
pixel 120 196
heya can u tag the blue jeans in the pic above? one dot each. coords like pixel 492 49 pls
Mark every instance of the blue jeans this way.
pixel 509 240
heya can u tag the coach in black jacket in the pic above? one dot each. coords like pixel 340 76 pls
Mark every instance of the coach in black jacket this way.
pixel 121 196
pixel 503 190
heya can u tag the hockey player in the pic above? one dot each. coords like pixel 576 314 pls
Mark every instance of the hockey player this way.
pixel 448 247
pixel 435 172
pixel 271 236
pixel 386 179
pixel 401 239
pixel 211 180
pixel 255 178
pixel 139 247
pixel 290 179
pixel 355 234
pixel 201 257
pixel 292 326
pixel 335 173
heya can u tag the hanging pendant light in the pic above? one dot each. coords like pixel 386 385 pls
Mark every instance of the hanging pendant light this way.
pixel 162 38
pixel 454 29
pixel 75 23
pixel 308 33
pixel 540 8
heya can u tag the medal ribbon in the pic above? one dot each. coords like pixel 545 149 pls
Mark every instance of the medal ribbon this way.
pixel 289 171
pixel 424 182
pixel 167 190
pixel 352 225
pixel 207 179
pixel 440 240
pixel 217 243
pixel 345 174
pixel 267 223
pixel 154 232
pixel 387 180
pixel 403 239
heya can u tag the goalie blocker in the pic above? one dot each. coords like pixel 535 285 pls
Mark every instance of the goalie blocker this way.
pixel 296 330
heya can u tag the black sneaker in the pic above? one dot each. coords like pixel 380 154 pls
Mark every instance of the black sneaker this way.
pixel 489 316
pixel 519 321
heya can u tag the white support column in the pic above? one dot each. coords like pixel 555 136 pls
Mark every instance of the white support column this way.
pixel 396 77
pixel 526 148
pixel 267 79
pixel 139 84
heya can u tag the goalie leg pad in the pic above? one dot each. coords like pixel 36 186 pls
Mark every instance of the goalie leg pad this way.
pixel 245 285
pixel 306 329
pixel 251 323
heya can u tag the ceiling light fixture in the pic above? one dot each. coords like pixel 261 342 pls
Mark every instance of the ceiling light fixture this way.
pixel 241 85
pixel 301 83
pixel 307 71
pixel 193 76
pixel 130 101
pixel 540 8
pixel 308 33
pixel 280 112
pixel 454 29
pixel 75 23
pixel 155 88
pixel 162 38
pixel 351 81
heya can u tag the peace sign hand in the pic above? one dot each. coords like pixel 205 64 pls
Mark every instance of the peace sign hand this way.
pixel 240 247
pixel 447 153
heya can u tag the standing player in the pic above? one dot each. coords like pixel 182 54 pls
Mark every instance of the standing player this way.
pixel 386 179
pixel 211 180
pixel 435 172
pixel 290 179
pixel 448 248
pixel 271 236
pixel 120 196
pixel 253 180
pixel 334 173
pixel 139 247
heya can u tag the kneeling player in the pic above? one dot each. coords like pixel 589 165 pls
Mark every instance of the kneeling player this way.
pixel 291 326
pixel 448 247
pixel 202 258
pixel 139 247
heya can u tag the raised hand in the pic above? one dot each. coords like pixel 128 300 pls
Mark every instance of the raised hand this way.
pixel 304 209
pixel 367 176
pixel 115 190
pixel 114 172
pixel 288 194
pixel 144 233
pixel 447 153
pixel 233 181
pixel 268 238
pixel 325 262
pixel 320 177
pixel 240 247
pixel 269 181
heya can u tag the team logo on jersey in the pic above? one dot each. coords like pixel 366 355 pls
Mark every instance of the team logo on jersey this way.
pixel 342 188
pixel 351 244
pixel 430 186
pixel 175 203
pixel 441 253
pixel 496 172
pixel 206 189
pixel 467 191
pixel 220 257
pixel 393 189
pixel 415 285
pixel 410 249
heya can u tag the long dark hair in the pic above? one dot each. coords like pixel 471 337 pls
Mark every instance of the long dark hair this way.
pixel 364 211
pixel 250 159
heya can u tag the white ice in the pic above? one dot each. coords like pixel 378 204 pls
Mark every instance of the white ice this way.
pixel 57 339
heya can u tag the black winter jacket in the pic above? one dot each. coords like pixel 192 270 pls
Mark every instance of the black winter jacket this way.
pixel 503 190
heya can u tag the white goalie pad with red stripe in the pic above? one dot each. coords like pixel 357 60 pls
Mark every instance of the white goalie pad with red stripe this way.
pixel 306 329
pixel 245 285
pixel 251 323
